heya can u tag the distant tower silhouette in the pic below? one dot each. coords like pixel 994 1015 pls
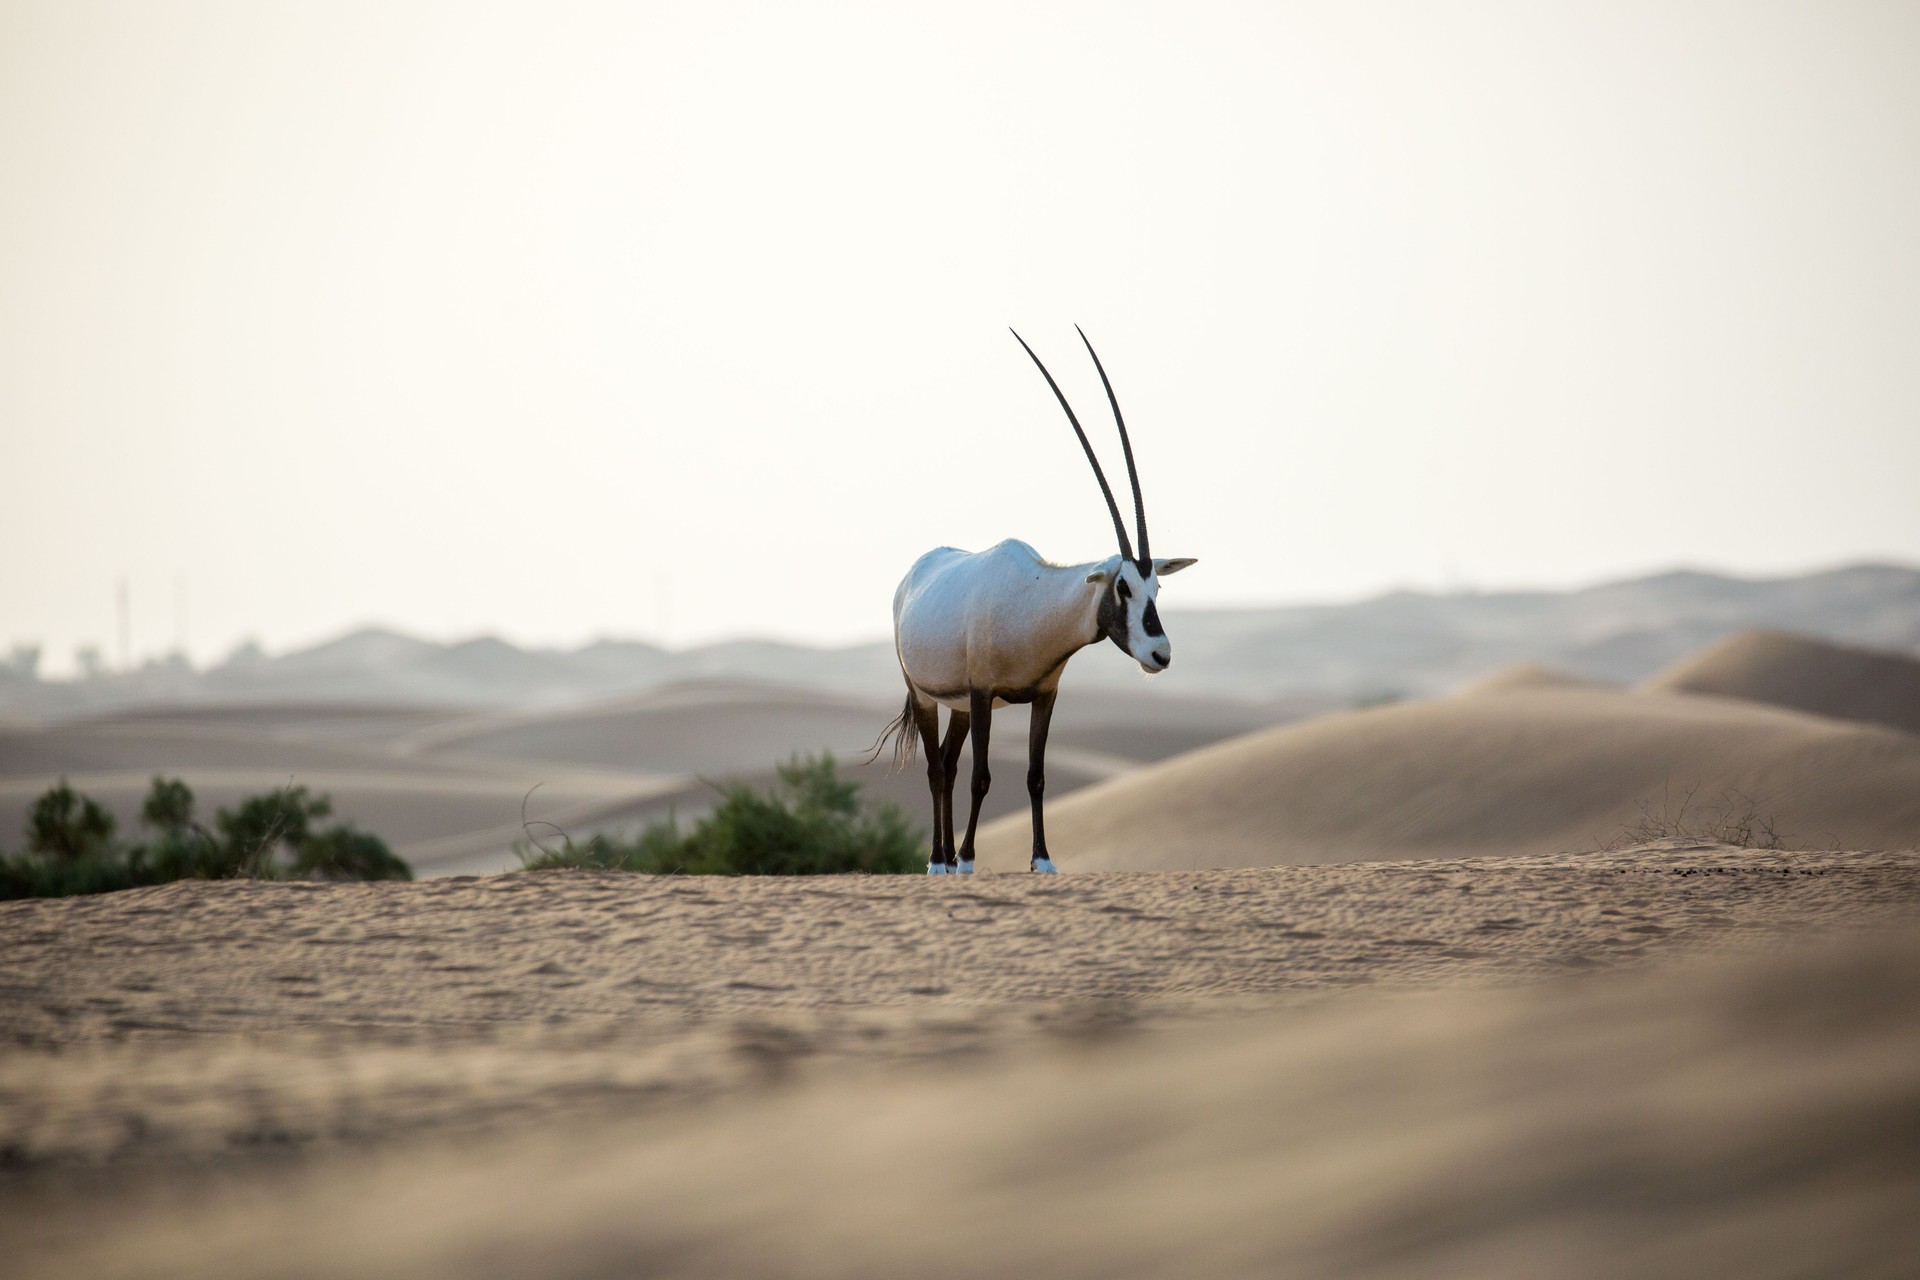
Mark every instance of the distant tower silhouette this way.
pixel 180 614
pixel 125 614
pixel 663 606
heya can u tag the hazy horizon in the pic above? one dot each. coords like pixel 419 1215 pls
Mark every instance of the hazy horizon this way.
pixel 684 323
pixel 569 645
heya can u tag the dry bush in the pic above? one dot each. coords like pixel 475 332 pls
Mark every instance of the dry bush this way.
pixel 1734 818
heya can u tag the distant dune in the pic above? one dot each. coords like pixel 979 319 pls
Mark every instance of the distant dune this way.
pixel 1528 677
pixel 278 740
pixel 1521 771
pixel 1806 674
pixel 709 727
pixel 723 726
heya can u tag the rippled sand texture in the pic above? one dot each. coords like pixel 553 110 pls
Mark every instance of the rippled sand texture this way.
pixel 1681 1060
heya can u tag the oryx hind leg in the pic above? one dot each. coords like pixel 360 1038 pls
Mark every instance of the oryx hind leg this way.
pixel 926 722
pixel 957 726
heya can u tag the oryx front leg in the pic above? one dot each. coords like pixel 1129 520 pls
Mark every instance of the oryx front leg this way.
pixel 980 711
pixel 950 770
pixel 1037 777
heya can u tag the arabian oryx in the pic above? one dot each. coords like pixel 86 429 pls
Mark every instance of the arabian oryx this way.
pixel 979 630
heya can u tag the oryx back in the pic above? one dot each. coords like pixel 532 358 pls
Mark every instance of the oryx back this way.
pixel 1001 620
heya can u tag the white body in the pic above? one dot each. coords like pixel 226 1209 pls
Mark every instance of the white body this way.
pixel 1005 621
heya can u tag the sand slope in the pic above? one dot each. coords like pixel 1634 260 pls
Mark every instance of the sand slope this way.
pixel 1516 772
pixel 1807 674
pixel 185 744
pixel 1319 1071
pixel 709 728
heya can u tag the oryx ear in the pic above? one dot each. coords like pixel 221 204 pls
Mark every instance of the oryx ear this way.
pixel 1098 575
pixel 1161 568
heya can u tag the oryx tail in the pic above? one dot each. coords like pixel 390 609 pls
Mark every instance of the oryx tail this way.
pixel 904 735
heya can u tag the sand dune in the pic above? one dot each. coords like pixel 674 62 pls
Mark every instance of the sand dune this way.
pixel 1320 1071
pixel 1806 674
pixel 710 728
pixel 184 745
pixel 1529 676
pixel 369 723
pixel 1526 770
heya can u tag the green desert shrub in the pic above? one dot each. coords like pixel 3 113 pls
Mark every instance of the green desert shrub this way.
pixel 65 826
pixel 811 822
pixel 31 875
pixel 168 807
pixel 254 833
pixel 344 852
pixel 71 847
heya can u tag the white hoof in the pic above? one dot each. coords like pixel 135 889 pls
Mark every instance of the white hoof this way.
pixel 936 868
pixel 965 868
pixel 1045 867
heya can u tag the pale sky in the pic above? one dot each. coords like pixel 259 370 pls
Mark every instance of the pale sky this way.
pixel 687 321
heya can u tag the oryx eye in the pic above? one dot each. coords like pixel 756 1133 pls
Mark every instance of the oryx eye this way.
pixel 1126 592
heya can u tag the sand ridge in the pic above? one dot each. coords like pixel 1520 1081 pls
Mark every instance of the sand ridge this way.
pixel 1807 674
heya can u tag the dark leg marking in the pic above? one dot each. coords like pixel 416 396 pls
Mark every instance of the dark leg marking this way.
pixel 950 769
pixel 926 719
pixel 982 717
pixel 1037 768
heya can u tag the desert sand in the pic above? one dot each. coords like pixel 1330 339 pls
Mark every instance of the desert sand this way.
pixel 1510 769
pixel 1492 1030
pixel 1686 1059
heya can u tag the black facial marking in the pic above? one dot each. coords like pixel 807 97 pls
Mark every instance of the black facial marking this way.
pixel 1151 620
pixel 1111 618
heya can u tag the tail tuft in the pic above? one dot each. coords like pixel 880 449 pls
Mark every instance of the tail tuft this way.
pixel 906 739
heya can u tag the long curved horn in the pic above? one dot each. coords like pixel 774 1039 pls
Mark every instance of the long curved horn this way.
pixel 1133 477
pixel 1113 508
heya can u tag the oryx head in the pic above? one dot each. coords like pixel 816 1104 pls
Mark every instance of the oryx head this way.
pixel 1129 584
